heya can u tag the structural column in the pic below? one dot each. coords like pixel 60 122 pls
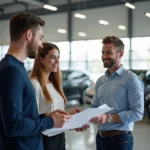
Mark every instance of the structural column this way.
pixel 130 34
pixel 69 23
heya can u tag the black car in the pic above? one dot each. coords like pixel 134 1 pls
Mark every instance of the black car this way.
pixel 74 84
pixel 145 76
pixel 147 100
pixel 147 93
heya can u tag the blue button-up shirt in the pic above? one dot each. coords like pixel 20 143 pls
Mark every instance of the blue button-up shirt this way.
pixel 123 91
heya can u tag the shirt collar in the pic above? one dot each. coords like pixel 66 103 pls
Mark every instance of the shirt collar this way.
pixel 119 71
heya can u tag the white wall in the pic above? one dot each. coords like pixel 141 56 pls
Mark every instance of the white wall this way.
pixel 53 22
pixel 4 33
pixel 116 15
pixel 141 23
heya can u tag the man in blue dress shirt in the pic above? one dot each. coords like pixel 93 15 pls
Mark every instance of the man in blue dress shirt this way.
pixel 122 90
pixel 20 124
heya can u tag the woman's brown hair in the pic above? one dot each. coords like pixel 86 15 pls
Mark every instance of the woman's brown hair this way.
pixel 55 77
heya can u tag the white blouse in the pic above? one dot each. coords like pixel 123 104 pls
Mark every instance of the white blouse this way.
pixel 43 105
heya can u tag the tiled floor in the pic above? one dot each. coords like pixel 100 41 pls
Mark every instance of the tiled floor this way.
pixel 86 140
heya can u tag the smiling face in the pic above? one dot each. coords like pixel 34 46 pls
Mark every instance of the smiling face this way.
pixel 50 62
pixel 110 55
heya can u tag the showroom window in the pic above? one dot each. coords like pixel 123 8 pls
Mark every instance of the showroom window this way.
pixel 141 53
pixel 64 54
pixel 125 59
pixel 79 55
pixel 86 55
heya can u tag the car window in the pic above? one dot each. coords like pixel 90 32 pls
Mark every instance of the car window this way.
pixel 76 75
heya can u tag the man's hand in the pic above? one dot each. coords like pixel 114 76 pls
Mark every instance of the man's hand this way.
pixel 83 128
pixel 74 111
pixel 100 119
pixel 60 117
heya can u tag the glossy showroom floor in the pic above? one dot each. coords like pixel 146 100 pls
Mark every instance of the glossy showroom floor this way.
pixel 86 140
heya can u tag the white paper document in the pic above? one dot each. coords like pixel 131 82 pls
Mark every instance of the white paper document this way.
pixel 79 119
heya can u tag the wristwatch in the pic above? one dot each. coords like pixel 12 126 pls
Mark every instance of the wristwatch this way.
pixel 109 119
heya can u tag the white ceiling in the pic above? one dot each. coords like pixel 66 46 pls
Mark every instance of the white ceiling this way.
pixel 116 15
pixel 54 22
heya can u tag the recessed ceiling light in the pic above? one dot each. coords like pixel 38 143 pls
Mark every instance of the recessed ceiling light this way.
pixel 81 16
pixel 50 7
pixel 82 34
pixel 103 22
pixel 147 14
pixel 130 5
pixel 62 31
pixel 121 27
pixel 38 3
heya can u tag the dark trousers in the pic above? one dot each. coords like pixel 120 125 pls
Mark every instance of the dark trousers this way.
pixel 1 144
pixel 56 142
pixel 117 142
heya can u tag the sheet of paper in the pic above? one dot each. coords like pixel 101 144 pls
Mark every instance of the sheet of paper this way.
pixel 79 119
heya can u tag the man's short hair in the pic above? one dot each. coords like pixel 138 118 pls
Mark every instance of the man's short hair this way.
pixel 114 40
pixel 21 22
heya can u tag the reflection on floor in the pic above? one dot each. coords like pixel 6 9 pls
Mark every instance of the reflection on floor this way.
pixel 81 141
pixel 86 140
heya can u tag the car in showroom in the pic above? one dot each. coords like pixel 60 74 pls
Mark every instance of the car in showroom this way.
pixel 147 93
pixel 88 94
pixel 74 84
pixel 147 100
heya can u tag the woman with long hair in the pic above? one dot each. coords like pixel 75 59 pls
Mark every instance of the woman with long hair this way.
pixel 47 82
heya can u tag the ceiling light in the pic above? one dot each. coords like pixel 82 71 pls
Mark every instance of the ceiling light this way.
pixel 103 22
pixel 121 27
pixel 147 14
pixel 50 7
pixel 53 8
pixel 62 31
pixel 81 16
pixel 82 34
pixel 130 5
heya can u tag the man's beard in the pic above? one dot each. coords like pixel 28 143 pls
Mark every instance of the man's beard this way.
pixel 109 65
pixel 31 50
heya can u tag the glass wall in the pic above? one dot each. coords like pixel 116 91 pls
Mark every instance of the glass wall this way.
pixel 64 57
pixel 64 54
pixel 3 50
pixel 79 55
pixel 141 53
pixel 125 59
pixel 86 55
